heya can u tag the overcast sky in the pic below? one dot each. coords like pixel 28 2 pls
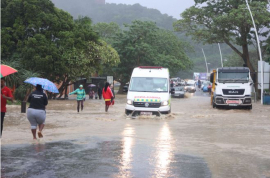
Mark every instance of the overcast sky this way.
pixel 170 7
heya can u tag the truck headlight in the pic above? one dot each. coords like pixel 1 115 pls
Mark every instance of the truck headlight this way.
pixel 165 103
pixel 129 102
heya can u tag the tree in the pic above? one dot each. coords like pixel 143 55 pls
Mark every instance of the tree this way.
pixel 225 21
pixel 267 50
pixel 107 30
pixel 47 40
pixel 144 44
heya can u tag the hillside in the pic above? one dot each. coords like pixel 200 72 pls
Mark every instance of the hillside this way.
pixel 119 13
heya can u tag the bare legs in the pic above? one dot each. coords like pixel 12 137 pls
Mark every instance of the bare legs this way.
pixel 106 108
pixel 34 131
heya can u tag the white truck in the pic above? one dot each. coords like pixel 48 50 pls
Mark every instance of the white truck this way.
pixel 149 92
pixel 232 86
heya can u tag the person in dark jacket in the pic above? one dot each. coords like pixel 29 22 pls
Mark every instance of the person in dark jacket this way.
pixel 36 113
pixel 99 92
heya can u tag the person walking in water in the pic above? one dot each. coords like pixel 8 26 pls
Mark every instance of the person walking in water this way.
pixel 99 92
pixel 107 95
pixel 199 84
pixel 5 95
pixel 36 113
pixel 80 97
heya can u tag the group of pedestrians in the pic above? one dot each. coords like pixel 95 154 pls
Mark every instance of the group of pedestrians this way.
pixel 107 93
pixel 95 95
pixel 36 113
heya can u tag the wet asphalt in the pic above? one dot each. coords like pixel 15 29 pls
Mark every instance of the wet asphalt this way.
pixel 193 145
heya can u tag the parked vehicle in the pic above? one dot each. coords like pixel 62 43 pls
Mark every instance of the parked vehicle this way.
pixel 232 87
pixel 149 92
pixel 182 82
pixel 176 81
pixel 178 92
pixel 125 88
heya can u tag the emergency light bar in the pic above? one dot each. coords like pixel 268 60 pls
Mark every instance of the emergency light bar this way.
pixel 150 67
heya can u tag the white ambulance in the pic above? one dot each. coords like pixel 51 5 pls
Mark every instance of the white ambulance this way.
pixel 149 92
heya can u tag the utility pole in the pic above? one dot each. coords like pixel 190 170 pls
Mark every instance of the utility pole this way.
pixel 220 55
pixel 259 49
pixel 205 61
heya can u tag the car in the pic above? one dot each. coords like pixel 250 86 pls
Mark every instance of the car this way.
pixel 190 87
pixel 178 92
pixel 176 81
pixel 125 88
pixel 205 83
pixel 182 82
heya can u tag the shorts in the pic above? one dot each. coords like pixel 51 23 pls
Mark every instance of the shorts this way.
pixel 36 117
pixel 108 103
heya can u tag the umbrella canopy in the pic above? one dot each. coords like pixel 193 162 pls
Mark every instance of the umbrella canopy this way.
pixel 92 85
pixel 7 70
pixel 45 83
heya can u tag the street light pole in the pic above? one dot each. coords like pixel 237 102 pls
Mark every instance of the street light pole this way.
pixel 220 55
pixel 259 49
pixel 205 61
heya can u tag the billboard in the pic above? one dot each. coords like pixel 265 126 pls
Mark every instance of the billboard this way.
pixel 199 76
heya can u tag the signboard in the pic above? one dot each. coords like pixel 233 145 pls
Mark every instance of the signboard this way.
pixel 200 76
pixel 110 79
pixel 203 76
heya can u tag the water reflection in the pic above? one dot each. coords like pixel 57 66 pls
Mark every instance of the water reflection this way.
pixel 127 157
pixel 164 153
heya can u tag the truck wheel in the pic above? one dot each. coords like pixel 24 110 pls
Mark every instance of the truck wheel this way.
pixel 249 107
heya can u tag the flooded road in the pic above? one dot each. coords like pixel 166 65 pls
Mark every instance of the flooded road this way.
pixel 194 141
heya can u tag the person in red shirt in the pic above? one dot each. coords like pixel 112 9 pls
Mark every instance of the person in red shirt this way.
pixel 107 95
pixel 5 95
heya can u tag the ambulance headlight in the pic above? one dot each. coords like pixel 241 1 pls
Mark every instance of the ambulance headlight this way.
pixel 165 103
pixel 129 102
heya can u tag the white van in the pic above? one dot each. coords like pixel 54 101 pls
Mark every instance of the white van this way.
pixel 149 92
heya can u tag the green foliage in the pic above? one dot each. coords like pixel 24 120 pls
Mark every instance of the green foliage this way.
pixel 144 44
pixel 44 39
pixel 107 30
pixel 267 50
pixel 225 22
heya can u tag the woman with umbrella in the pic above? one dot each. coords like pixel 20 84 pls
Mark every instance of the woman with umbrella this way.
pixel 38 100
pixel 108 96
pixel 36 113
pixel 80 97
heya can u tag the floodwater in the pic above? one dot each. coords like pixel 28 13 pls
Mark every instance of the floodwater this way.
pixel 194 141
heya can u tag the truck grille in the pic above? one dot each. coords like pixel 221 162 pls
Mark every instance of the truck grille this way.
pixel 233 92
pixel 146 105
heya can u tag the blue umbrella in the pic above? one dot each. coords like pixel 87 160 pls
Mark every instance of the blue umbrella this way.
pixel 45 83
